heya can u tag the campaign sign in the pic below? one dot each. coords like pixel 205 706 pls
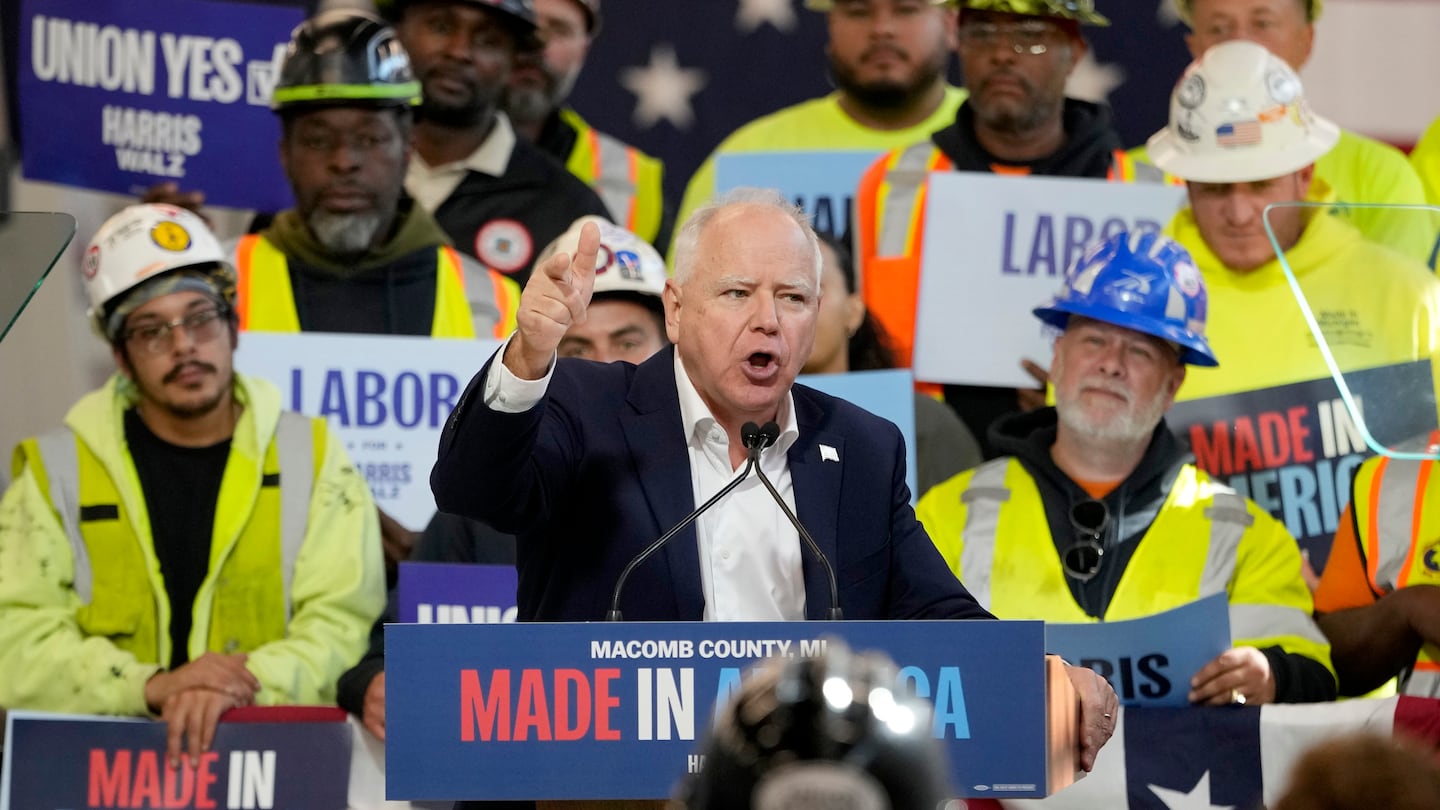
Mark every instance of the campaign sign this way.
pixel 1294 448
pixel 997 247
pixel 387 397
pixel 887 393
pixel 121 95
pixel 1148 661
pixel 68 761
pixel 457 593
pixel 620 711
pixel 821 183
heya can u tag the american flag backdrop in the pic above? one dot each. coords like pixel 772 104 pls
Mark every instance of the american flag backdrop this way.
pixel 674 77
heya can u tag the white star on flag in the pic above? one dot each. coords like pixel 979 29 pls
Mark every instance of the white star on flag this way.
pixel 1093 81
pixel 663 89
pixel 754 13
pixel 1168 14
pixel 1197 799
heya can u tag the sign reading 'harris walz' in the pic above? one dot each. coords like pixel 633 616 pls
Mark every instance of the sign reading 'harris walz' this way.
pixel 596 711
pixel 120 95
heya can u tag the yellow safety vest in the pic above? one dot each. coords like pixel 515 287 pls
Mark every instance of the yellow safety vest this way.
pixel 989 524
pixel 627 180
pixel 266 301
pixel 251 605
pixel 1396 504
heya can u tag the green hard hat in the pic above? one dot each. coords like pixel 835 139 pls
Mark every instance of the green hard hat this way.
pixel 1081 11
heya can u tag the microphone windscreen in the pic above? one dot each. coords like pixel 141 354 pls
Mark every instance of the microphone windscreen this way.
pixel 769 433
pixel 748 434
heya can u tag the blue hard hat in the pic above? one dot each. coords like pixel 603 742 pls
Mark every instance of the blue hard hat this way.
pixel 1140 280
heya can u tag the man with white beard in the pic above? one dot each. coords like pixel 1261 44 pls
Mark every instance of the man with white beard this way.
pixel 1098 513
pixel 356 254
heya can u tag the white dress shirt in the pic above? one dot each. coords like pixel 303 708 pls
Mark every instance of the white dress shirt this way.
pixel 750 557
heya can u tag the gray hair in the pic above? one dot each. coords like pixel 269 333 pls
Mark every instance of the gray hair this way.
pixel 687 240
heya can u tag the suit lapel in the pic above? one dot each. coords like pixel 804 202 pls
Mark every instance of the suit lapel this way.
pixel 817 498
pixel 657 445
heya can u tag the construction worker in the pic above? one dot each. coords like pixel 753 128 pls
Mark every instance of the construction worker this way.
pixel 888 60
pixel 1379 597
pixel 1243 137
pixel 356 254
pixel 628 180
pixel 1016 56
pixel 1097 513
pixel 1358 169
pixel 500 198
pixel 182 545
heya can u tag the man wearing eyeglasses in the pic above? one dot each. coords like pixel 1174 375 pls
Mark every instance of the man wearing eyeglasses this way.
pixel 182 546
pixel 1016 56
pixel 1098 513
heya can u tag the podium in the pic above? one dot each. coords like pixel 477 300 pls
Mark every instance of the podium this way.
pixel 620 711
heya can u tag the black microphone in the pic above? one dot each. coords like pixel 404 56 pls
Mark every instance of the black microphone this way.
pixel 768 434
pixel 754 442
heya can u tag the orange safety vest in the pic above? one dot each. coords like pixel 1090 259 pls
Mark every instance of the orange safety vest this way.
pixel 890 231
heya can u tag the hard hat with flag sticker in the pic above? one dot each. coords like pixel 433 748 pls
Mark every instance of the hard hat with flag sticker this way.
pixel 1139 280
pixel 1238 115
pixel 146 242
pixel 627 265
pixel 345 58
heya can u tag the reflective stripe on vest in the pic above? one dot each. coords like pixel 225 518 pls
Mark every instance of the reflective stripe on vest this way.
pixel 1228 522
pixel 900 201
pixel 266 300
pixel 1397 513
pixel 983 499
pixel 613 175
pixel 117 602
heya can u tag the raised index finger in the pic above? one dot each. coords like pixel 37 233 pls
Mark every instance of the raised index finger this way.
pixel 587 252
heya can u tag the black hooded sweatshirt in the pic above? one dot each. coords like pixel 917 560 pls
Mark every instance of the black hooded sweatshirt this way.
pixel 1133 506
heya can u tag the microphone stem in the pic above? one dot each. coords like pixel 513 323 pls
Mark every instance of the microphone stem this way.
pixel 833 614
pixel 614 614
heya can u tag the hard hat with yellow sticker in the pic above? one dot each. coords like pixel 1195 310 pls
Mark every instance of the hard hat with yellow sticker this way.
pixel 144 242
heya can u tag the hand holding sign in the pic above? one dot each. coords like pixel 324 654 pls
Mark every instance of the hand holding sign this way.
pixel 555 297
pixel 1238 675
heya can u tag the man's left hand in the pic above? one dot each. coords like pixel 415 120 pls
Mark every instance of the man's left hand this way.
pixel 191 716
pixel 1099 708
pixel 1238 675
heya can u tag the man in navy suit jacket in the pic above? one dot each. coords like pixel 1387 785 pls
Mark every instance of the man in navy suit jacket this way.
pixel 589 463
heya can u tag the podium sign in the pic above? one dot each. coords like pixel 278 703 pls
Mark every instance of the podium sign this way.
pixel 621 711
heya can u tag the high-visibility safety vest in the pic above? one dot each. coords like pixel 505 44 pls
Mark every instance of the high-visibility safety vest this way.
pixel 266 301
pixel 251 605
pixel 1396 504
pixel 989 524
pixel 628 181
pixel 890 231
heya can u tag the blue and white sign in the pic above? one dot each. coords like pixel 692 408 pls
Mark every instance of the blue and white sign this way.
pixel 457 593
pixel 997 247
pixel 121 95
pixel 821 183
pixel 386 396
pixel 619 711
pixel 1148 661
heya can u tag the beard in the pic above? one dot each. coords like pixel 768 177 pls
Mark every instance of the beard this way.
pixel 1133 425
pixel 185 410
pixel 888 94
pixel 1012 115
pixel 346 234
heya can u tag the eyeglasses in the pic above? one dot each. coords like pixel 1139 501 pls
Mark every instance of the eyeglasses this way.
pixel 1029 36
pixel 157 338
pixel 1082 558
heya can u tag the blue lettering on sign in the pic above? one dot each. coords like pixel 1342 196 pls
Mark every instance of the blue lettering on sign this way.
pixel 1049 245
pixel 371 399
pixel 727 685
pixel 828 216
pixel 952 720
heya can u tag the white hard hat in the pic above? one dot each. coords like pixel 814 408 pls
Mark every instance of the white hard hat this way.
pixel 626 263
pixel 143 242
pixel 1239 115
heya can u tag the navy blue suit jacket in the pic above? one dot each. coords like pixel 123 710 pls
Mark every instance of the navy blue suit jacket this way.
pixel 599 469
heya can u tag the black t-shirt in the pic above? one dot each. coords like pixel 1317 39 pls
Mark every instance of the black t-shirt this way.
pixel 181 486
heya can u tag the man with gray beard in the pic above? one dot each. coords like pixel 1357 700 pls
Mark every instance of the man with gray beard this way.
pixel 1098 513
pixel 356 254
